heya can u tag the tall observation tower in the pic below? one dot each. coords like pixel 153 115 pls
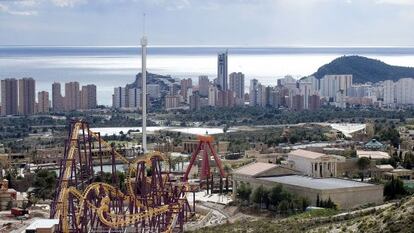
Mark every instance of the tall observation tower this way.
pixel 144 43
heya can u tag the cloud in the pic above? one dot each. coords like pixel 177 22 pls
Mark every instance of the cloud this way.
pixel 396 2
pixel 67 3
pixel 172 4
pixel 7 10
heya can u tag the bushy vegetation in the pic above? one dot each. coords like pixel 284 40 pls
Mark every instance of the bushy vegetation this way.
pixel 274 199
pixel 394 188
pixel 248 115
pixel 44 184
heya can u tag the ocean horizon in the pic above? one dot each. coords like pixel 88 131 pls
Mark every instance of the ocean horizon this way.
pixel 112 66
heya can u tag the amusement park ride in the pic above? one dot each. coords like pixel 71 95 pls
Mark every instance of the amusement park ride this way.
pixel 149 200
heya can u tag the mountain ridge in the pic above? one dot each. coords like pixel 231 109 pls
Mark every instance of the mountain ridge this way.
pixel 364 69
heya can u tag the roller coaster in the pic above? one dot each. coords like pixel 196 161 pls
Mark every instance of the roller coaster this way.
pixel 147 199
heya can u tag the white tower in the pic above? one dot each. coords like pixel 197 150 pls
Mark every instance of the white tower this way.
pixel 144 43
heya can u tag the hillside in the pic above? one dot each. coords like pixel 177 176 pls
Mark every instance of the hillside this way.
pixel 162 80
pixel 364 69
pixel 390 218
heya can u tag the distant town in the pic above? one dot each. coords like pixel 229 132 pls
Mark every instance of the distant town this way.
pixel 226 91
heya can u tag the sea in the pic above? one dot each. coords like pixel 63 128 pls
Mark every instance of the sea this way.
pixel 112 66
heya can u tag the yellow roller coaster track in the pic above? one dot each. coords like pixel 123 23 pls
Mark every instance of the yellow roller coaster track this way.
pixel 108 218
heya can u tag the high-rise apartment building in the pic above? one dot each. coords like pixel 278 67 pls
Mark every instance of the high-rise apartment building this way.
pixel 120 98
pixel 153 90
pixel 253 92
pixel 135 98
pixel 43 102
pixel 174 89
pixel 57 98
pixel 172 102
pixel 88 97
pixel 27 96
pixel 195 101
pixel 314 83
pixel 389 92
pixel 9 97
pixel 72 96
pixel 225 99
pixel 212 95
pixel 306 89
pixel 222 71
pixel 314 102
pixel 330 85
pixel 203 84
pixel 237 84
pixel 185 85
pixel 404 94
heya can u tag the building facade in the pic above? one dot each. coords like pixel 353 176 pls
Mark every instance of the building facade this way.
pixel 203 84
pixel 72 96
pixel 222 71
pixel 237 84
pixel 43 102
pixel 27 96
pixel 57 98
pixel 312 163
pixel 9 97
pixel 88 97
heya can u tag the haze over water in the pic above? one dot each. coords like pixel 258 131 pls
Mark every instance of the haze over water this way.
pixel 108 67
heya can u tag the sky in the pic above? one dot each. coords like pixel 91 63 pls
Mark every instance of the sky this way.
pixel 208 22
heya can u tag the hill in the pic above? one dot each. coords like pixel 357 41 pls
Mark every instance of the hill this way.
pixel 364 69
pixel 398 217
pixel 163 80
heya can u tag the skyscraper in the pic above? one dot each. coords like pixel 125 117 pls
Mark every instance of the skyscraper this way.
pixel 134 98
pixel 72 94
pixel 253 92
pixel 331 84
pixel 212 95
pixel 389 92
pixel 9 97
pixel 237 84
pixel 57 98
pixel 195 101
pixel 172 101
pixel 185 85
pixel 120 98
pixel 27 96
pixel 88 97
pixel 203 84
pixel 43 102
pixel 222 71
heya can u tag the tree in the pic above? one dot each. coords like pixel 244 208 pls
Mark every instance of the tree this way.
pixel 261 196
pixel 275 195
pixel 394 188
pixel 257 195
pixel 244 191
pixel 283 207
pixel 408 160
pixel 363 164
pixel 44 184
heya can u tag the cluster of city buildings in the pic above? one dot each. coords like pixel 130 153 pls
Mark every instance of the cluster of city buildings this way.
pixel 18 97
pixel 75 97
pixel 340 91
pixel 228 90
